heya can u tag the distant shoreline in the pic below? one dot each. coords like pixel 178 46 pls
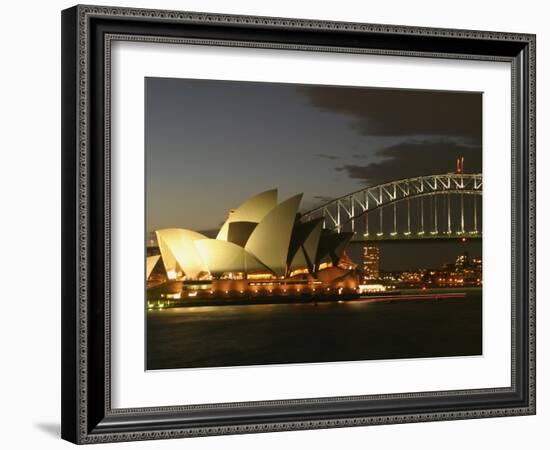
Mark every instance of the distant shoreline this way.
pixel 409 294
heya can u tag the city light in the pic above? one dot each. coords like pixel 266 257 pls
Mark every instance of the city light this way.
pixel 171 274
pixel 370 288
pixel 463 272
pixel 199 267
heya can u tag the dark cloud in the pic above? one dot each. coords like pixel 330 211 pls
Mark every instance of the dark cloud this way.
pixel 331 157
pixel 400 112
pixel 414 158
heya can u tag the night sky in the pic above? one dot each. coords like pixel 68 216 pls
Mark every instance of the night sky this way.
pixel 211 144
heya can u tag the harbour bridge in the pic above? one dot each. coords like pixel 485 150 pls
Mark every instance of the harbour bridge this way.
pixel 446 206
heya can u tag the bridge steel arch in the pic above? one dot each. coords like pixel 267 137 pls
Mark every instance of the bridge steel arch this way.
pixel 339 212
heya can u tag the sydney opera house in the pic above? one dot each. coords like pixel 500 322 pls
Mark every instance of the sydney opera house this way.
pixel 262 250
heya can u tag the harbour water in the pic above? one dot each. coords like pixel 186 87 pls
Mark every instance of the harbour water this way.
pixel 429 325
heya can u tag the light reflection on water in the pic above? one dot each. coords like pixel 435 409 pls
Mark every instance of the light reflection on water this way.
pixel 231 335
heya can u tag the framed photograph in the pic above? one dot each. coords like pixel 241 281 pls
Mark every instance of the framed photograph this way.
pixel 279 224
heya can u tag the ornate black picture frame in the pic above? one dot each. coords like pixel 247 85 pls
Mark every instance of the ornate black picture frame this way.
pixel 87 34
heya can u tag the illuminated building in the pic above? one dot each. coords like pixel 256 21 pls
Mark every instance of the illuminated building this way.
pixel 371 262
pixel 464 272
pixel 462 261
pixel 263 245
pixel 478 270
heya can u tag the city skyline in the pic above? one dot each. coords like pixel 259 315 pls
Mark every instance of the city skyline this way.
pixel 242 267
pixel 372 258
pixel 215 143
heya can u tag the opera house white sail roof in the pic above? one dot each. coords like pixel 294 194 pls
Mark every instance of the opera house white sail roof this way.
pixel 260 236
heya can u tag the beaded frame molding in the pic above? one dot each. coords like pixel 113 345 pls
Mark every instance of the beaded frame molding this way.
pixel 87 35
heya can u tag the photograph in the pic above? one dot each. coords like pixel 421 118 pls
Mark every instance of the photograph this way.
pixel 292 219
pixel 301 223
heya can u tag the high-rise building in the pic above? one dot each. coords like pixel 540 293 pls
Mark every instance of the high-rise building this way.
pixel 371 262
pixel 462 261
